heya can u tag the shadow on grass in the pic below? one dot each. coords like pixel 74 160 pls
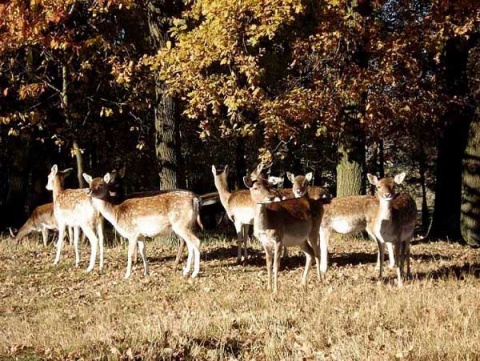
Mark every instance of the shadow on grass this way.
pixel 457 272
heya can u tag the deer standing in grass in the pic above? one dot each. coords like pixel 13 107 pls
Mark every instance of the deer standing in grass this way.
pixel 290 222
pixel 136 218
pixel 394 221
pixel 239 207
pixel 42 220
pixel 343 215
pixel 72 207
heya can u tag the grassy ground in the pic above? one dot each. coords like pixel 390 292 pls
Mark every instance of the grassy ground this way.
pixel 61 312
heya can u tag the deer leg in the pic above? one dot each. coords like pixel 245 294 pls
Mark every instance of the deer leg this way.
pixel 193 245
pixel 407 255
pixel 324 238
pixel 89 232
pixel 276 264
pixel 245 237
pixel 381 255
pixel 45 235
pixel 398 245
pixel 61 235
pixel 239 229
pixel 132 245
pixel 309 253
pixel 181 247
pixel 142 250
pixel 268 258
pixel 100 241
pixel 75 244
pixel 391 256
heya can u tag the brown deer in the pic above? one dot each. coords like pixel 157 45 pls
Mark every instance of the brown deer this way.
pixel 239 207
pixel 291 222
pixel 41 220
pixel 72 207
pixel 300 187
pixel 393 221
pixel 343 215
pixel 137 218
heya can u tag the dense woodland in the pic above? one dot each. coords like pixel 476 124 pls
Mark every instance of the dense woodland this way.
pixel 168 88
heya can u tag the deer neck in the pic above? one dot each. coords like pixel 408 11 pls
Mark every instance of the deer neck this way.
pixel 385 210
pixel 107 210
pixel 57 188
pixel 223 192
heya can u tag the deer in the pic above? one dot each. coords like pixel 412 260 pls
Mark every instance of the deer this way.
pixel 117 196
pixel 284 222
pixel 393 222
pixel 239 207
pixel 42 220
pixel 72 207
pixel 136 218
pixel 300 187
pixel 342 215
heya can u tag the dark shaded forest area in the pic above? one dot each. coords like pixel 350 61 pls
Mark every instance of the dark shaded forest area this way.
pixel 168 88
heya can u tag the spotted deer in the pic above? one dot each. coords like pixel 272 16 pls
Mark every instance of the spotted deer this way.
pixel 290 222
pixel 72 207
pixel 136 218
pixel 342 215
pixel 393 222
pixel 117 196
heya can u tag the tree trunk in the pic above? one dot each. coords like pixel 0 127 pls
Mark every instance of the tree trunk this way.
pixel 351 162
pixel 451 146
pixel 470 203
pixel 167 139
pixel 66 111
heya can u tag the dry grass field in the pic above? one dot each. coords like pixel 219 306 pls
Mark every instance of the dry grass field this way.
pixel 60 313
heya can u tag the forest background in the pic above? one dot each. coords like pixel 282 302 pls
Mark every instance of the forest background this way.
pixel 168 88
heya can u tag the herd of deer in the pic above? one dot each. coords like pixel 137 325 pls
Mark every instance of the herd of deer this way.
pixel 302 216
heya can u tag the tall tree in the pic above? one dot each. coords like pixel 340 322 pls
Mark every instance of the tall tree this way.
pixel 160 13
pixel 470 207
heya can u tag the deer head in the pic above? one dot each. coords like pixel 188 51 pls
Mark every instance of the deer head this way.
pixel 386 186
pixel 299 183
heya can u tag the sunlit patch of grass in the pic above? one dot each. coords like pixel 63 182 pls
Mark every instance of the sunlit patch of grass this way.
pixel 60 312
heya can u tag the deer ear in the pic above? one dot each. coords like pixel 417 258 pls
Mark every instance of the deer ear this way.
pixel 121 171
pixel 107 178
pixel 87 178
pixel 399 178
pixel 214 170
pixel 248 182
pixel 372 179
pixel 290 177
pixel 54 169
pixel 309 176
pixel 67 172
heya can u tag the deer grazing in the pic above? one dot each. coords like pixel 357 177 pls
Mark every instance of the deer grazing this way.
pixel 291 222
pixel 393 221
pixel 72 207
pixel 136 218
pixel 239 207
pixel 42 220
pixel 343 215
